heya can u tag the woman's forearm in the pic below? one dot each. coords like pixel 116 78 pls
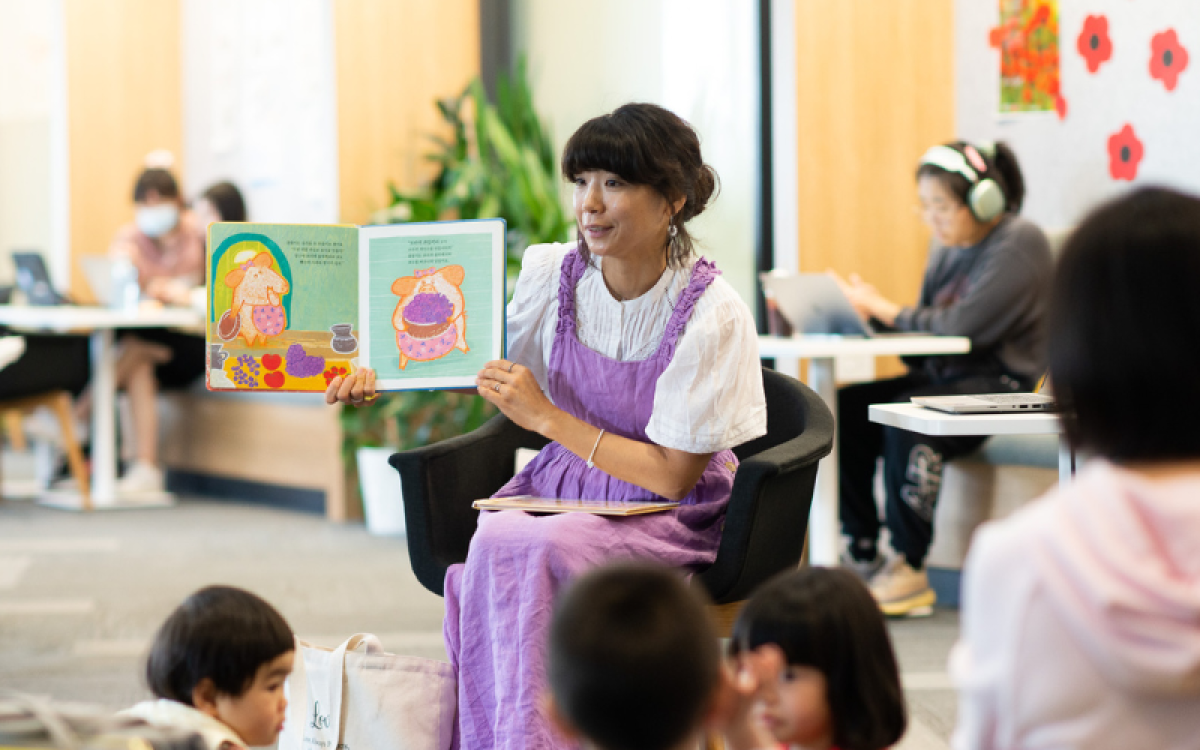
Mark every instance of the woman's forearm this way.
pixel 664 471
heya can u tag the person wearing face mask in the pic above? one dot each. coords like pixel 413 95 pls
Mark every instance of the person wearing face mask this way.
pixel 165 243
pixel 988 278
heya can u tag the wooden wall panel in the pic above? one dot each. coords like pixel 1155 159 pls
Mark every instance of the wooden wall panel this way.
pixel 394 59
pixel 123 101
pixel 875 82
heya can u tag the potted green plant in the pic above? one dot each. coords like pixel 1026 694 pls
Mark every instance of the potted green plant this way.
pixel 497 161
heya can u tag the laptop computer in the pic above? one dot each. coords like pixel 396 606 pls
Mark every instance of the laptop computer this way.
pixel 814 303
pixel 988 403
pixel 99 274
pixel 34 280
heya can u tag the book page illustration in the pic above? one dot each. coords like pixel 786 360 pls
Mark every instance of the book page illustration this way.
pixel 430 320
pixel 433 307
pixel 282 306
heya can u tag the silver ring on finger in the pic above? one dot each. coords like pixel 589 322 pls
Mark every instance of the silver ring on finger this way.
pixel 497 387
pixel 511 365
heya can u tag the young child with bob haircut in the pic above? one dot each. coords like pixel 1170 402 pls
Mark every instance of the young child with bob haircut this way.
pixel 218 666
pixel 1080 610
pixel 815 645
pixel 633 660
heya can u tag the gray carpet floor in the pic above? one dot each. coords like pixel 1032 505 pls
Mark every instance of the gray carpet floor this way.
pixel 81 596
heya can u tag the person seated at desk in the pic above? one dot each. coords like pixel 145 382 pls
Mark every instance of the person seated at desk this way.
pixel 988 278
pixel 221 201
pixel 641 364
pixel 1081 611
pixel 166 245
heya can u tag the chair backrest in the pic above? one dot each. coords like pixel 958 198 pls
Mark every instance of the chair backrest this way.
pixel 788 406
pixel 766 522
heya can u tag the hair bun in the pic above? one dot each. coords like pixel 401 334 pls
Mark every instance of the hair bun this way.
pixel 159 158
pixel 704 187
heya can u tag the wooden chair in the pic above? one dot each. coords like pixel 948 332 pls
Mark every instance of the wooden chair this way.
pixel 765 524
pixel 58 402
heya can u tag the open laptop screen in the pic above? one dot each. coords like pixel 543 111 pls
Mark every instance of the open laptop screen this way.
pixel 34 280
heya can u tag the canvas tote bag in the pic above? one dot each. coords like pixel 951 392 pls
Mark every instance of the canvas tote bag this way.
pixel 358 697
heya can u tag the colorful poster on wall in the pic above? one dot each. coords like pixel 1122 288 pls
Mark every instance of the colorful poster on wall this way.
pixel 1027 38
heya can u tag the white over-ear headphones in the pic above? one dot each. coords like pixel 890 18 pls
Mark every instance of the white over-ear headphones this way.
pixel 986 198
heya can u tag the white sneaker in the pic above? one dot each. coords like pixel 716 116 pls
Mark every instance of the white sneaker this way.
pixel 141 479
pixel 902 591
pixel 866 570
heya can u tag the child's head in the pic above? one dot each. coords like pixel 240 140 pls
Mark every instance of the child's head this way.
pixel 225 652
pixel 633 659
pixel 820 636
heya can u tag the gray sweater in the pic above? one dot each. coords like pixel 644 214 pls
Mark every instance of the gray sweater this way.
pixel 995 293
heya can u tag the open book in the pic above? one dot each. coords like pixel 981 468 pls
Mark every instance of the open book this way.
pixel 292 306
pixel 555 505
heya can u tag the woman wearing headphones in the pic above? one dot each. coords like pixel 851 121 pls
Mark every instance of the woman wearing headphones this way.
pixel 988 278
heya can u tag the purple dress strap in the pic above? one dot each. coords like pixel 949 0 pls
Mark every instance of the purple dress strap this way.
pixel 498 603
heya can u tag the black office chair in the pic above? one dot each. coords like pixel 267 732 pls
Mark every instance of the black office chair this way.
pixel 765 524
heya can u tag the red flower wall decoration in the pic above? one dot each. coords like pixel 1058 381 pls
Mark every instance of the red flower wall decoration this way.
pixel 1124 154
pixel 1168 58
pixel 1094 45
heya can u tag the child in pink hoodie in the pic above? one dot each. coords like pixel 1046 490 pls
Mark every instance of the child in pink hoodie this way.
pixel 1081 622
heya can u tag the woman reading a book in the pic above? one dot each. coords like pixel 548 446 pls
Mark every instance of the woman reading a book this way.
pixel 640 364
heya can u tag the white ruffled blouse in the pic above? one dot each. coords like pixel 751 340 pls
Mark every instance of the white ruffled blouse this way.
pixel 710 397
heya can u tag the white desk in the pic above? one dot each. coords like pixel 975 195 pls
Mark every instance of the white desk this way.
pixel 824 527
pixel 100 322
pixel 932 422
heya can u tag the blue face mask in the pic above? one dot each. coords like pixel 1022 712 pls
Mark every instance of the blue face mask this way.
pixel 155 221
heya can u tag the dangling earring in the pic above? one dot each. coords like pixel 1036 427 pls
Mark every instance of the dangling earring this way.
pixel 672 231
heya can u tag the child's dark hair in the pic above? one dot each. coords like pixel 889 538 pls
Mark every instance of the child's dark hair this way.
pixel 1123 307
pixel 826 618
pixel 633 658
pixel 220 632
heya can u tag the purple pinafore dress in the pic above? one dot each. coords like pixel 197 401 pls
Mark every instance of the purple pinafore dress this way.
pixel 498 603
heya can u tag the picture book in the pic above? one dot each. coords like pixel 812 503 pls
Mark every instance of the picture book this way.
pixel 555 505
pixel 292 306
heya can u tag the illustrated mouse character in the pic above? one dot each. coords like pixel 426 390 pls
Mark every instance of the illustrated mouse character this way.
pixel 430 319
pixel 257 293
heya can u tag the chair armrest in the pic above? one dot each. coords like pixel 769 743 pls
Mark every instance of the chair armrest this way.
pixel 766 521
pixel 440 481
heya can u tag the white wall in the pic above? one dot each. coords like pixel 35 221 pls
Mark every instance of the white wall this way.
pixel 1066 161
pixel 32 121
pixel 697 58
pixel 259 106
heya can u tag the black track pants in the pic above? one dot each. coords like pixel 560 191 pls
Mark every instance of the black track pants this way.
pixel 912 463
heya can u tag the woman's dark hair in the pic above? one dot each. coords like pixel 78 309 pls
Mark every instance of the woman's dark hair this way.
pixel 1002 167
pixel 227 199
pixel 157 179
pixel 1124 320
pixel 219 632
pixel 646 145
pixel 633 660
pixel 825 618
